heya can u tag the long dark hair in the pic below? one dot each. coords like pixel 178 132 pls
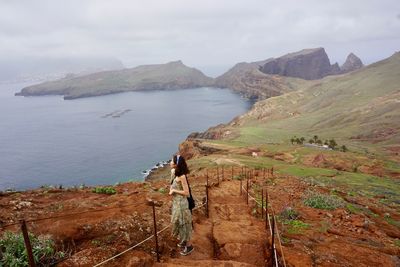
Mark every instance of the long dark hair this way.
pixel 181 166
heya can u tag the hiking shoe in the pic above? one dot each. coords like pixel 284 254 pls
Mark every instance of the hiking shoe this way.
pixel 182 244
pixel 187 250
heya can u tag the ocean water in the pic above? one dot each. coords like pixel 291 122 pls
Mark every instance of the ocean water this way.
pixel 101 140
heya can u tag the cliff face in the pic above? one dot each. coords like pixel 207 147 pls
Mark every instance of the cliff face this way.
pixel 173 75
pixel 309 64
pixel 268 78
pixel 352 63
pixel 248 80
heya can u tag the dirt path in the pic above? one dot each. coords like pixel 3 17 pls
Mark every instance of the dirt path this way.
pixel 231 236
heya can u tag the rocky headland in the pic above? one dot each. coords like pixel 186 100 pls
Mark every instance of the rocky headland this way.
pixel 169 76
pixel 309 64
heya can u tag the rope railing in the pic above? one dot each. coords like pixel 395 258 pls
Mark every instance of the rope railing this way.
pixel 220 171
pixel 271 228
pixel 71 214
pixel 141 242
pixel 28 246
pixel 269 224
pixel 166 227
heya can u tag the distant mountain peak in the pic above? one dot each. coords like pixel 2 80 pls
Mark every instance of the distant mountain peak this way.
pixel 304 52
pixel 177 62
pixel 352 63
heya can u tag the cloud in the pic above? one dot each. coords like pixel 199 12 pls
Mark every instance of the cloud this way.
pixel 201 33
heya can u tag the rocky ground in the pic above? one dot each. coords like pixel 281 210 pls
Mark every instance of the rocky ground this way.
pixel 92 227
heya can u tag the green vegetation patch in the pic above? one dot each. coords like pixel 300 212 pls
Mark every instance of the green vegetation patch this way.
pixel 354 208
pixel 366 185
pixel 392 221
pixel 323 201
pixel 13 252
pixel 162 190
pixel 104 190
pixel 295 226
pixel 289 214
pixel 291 219
pixel 239 177
pixel 303 171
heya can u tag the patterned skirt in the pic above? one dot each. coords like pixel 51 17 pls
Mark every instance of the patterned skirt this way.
pixel 181 218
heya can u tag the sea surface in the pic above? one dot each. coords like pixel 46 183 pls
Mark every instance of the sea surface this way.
pixel 101 140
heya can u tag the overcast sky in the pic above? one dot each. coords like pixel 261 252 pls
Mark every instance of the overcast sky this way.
pixel 211 35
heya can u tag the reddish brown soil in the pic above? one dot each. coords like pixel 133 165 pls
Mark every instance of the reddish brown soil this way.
pixel 229 237
pixel 337 237
pixel 98 225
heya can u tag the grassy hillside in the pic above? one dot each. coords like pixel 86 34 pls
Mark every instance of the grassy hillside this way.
pixel 361 107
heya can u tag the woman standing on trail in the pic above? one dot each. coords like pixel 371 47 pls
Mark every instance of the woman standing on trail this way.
pixel 181 216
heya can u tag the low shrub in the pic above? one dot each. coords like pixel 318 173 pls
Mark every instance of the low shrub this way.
pixel 104 190
pixel 289 214
pixel 353 208
pixel 323 201
pixel 238 177
pixel 295 226
pixel 162 190
pixel 13 252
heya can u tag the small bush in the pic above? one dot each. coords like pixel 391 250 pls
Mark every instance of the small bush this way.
pixel 239 177
pixel 13 252
pixel 162 190
pixel 104 190
pixel 289 214
pixel 322 201
pixel 296 226
pixel 353 209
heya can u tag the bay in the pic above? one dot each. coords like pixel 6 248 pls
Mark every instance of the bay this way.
pixel 101 140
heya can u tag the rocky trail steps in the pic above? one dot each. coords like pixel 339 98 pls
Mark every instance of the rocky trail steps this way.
pixel 231 236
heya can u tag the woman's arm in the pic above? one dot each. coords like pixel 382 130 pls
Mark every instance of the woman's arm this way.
pixel 185 191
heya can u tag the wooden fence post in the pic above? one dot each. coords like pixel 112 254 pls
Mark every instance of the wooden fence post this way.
pixel 247 191
pixel 155 233
pixel 273 239
pixel 154 204
pixel 28 245
pixel 262 203
pixel 266 208
pixel 217 175
pixel 207 199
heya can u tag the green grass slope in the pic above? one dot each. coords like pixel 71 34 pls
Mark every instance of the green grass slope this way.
pixel 360 106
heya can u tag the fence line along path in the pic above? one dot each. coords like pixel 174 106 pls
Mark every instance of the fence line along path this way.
pixel 231 235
